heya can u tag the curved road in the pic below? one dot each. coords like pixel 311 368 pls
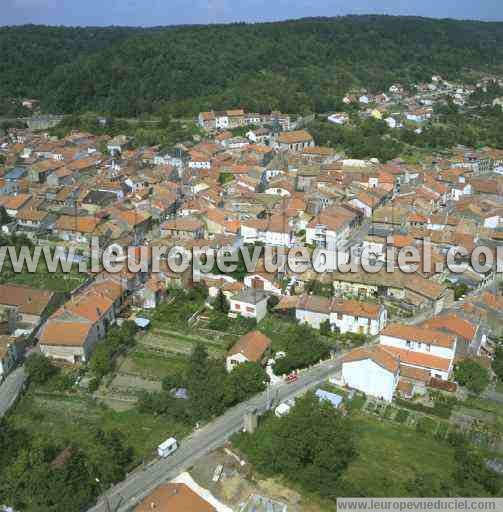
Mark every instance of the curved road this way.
pixel 125 495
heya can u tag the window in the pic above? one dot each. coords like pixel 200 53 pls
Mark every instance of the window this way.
pixel 428 347
pixel 237 306
pixel 408 344
pixel 250 310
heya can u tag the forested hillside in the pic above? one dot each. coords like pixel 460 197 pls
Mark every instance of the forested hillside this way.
pixel 294 66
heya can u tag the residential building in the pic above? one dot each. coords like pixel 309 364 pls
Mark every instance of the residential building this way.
pixel 421 348
pixel 343 315
pixel 174 497
pixel 250 303
pixel 295 141
pixel 252 347
pixel 372 370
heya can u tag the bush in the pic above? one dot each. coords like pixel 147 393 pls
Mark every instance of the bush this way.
pixel 303 349
pixel 93 385
pixel 39 368
pixel 472 375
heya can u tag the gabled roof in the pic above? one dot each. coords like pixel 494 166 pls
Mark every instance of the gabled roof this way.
pixel 378 354
pixel 420 359
pixel 315 303
pixel 77 224
pixel 252 345
pixel 65 333
pixel 419 334
pixel 454 324
pixel 174 497
pixel 182 224
pixel 295 137
pixel 30 301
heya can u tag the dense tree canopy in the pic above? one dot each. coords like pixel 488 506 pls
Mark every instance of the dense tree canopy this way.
pixel 294 66
pixel 315 458
pixel 471 374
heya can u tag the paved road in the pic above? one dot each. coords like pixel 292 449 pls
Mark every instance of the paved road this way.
pixel 10 389
pixel 125 495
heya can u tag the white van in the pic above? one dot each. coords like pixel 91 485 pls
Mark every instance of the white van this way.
pixel 167 448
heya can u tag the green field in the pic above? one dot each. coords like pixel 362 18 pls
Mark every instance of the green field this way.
pixel 165 340
pixel 55 282
pixel 150 365
pixel 391 455
pixel 71 419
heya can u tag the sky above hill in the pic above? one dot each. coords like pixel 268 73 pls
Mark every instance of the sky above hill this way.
pixel 174 12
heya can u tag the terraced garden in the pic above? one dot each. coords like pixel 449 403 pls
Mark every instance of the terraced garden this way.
pixel 166 341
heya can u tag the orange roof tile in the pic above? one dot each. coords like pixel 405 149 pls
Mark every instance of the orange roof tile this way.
pixel 252 345
pixel 174 497
pixel 65 334
pixel 409 357
pixel 423 335
pixel 377 354
pixel 454 324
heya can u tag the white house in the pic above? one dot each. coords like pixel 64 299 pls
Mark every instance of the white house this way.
pixel 252 347
pixel 200 161
pixel 421 348
pixel 338 118
pixel 262 281
pixel 275 231
pixel 221 120
pixel 250 303
pixel 372 370
pixel 358 317
pixel 74 329
pixel 343 315
pixel 313 310
pixel 391 122
pixel 329 231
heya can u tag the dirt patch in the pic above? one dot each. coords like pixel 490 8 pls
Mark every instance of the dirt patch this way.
pixel 132 384
pixel 237 484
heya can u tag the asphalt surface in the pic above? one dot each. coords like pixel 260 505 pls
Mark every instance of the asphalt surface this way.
pixel 125 495
pixel 10 389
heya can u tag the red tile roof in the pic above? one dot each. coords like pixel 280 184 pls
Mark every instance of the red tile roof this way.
pixel 378 354
pixel 429 336
pixel 409 357
pixel 252 345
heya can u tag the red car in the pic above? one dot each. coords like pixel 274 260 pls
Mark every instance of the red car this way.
pixel 291 378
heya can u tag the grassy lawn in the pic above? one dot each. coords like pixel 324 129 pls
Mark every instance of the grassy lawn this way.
pixel 426 425
pixel 402 416
pixel 149 365
pixel 484 405
pixel 357 402
pixel 166 340
pixel 71 419
pixel 55 282
pixel 332 388
pixel 391 455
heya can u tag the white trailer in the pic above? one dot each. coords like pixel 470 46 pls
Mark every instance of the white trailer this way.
pixel 167 448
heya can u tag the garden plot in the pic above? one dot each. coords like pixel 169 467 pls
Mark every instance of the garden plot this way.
pixel 165 341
